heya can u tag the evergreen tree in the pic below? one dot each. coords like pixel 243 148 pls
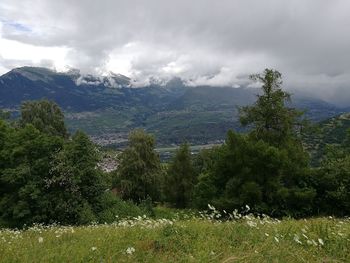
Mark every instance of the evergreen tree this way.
pixel 181 178
pixel 272 121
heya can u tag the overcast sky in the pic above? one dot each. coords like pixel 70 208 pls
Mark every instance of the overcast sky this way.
pixel 215 42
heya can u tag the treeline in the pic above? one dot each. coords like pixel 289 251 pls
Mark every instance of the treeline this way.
pixel 267 168
pixel 48 176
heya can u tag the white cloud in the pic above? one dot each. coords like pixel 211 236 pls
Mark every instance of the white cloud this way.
pixel 203 41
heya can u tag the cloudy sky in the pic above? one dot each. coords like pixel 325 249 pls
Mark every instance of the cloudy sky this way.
pixel 215 42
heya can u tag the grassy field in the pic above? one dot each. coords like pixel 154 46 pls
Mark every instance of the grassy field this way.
pixel 195 239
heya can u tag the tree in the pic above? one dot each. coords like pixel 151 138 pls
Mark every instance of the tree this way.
pixel 332 180
pixel 139 168
pixel 280 126
pixel 74 184
pixel 44 115
pixel 25 158
pixel 181 178
pixel 267 168
pixel 272 121
pixel 247 173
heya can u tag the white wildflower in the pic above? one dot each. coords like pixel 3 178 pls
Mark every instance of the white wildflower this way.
pixel 276 239
pixel 211 207
pixel 296 239
pixel 251 223
pixel 130 250
pixel 93 248
pixel 40 240
pixel 320 241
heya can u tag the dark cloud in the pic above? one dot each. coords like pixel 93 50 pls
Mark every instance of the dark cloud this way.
pixel 204 41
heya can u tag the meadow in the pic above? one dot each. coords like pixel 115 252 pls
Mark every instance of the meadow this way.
pixel 200 237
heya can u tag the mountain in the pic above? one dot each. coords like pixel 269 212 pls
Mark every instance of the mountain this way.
pixel 73 91
pixel 107 107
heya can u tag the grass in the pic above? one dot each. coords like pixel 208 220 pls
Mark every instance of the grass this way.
pixel 196 239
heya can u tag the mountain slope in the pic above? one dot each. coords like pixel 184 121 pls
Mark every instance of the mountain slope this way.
pixel 108 107
pixel 332 131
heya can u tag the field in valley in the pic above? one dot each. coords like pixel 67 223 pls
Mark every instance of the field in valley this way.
pixel 194 239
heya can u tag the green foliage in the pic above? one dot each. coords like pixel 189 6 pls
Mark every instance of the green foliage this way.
pixel 111 208
pixel 25 158
pixel 44 115
pixel 272 121
pixel 4 115
pixel 181 178
pixel 333 131
pixel 75 185
pixel 246 172
pixel 266 169
pixel 138 175
pixel 332 180
pixel 45 178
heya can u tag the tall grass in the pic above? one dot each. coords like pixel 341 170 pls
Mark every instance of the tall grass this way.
pixel 195 239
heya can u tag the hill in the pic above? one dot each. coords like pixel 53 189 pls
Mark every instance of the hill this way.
pixel 332 131
pixel 107 107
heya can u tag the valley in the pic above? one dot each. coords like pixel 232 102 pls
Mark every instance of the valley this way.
pixel 108 107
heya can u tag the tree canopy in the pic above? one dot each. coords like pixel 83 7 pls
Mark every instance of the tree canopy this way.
pixel 139 168
pixel 44 115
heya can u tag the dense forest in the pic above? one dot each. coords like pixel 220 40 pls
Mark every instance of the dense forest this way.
pixel 49 176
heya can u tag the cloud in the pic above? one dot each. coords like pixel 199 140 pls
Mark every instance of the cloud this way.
pixel 203 41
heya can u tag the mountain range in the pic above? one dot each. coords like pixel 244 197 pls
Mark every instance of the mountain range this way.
pixel 108 107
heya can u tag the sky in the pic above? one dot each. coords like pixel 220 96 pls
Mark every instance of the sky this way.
pixel 205 42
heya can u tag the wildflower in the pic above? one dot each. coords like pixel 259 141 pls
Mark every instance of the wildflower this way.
pixel 305 236
pixel 320 241
pixel 276 239
pixel 247 206
pixel 211 207
pixel 130 250
pixel 40 240
pixel 93 248
pixel 212 253
pixel 266 234
pixel 296 239
pixel 251 224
